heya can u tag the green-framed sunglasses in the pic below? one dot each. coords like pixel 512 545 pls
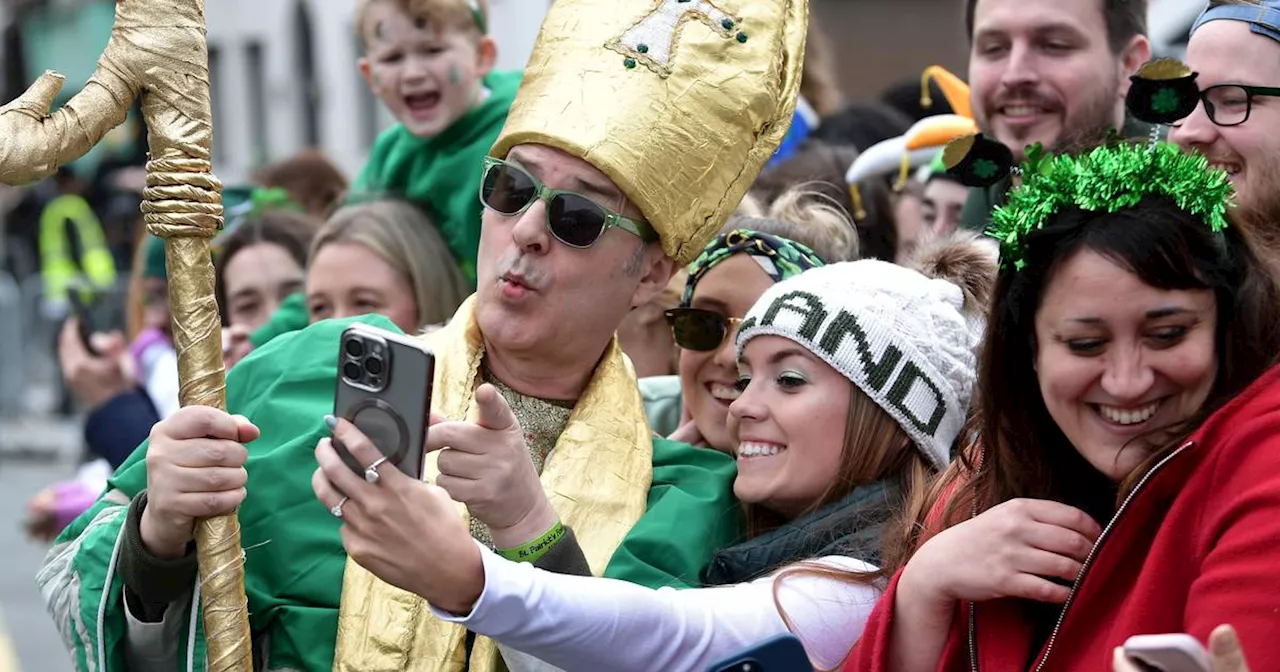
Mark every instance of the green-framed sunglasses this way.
pixel 572 219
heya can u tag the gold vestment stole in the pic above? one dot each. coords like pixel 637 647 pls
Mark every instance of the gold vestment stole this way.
pixel 597 479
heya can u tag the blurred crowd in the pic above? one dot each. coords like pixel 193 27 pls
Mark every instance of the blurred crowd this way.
pixel 860 386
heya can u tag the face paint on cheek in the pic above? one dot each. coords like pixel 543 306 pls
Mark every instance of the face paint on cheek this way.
pixel 454 76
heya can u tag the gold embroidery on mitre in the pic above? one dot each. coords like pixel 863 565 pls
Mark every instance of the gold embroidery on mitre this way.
pixel 684 147
pixel 655 37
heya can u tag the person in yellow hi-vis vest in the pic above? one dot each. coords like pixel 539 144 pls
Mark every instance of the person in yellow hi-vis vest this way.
pixel 59 265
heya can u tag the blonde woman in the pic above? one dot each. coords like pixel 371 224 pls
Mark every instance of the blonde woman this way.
pixel 383 257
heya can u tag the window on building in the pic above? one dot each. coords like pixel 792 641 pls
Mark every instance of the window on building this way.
pixel 305 66
pixel 369 123
pixel 216 102
pixel 255 63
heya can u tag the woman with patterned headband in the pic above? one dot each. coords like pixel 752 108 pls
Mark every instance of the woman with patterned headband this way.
pixel 800 230
pixel 1126 472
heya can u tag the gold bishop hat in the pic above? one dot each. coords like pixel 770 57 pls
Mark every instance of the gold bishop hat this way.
pixel 680 102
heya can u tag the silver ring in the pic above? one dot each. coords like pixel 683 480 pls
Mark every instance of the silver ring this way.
pixel 336 509
pixel 371 474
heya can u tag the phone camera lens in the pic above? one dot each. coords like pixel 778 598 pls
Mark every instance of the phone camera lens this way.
pixel 351 371
pixel 373 365
pixel 354 348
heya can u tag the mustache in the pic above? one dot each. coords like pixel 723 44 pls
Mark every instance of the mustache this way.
pixel 1023 95
pixel 1222 157
pixel 517 263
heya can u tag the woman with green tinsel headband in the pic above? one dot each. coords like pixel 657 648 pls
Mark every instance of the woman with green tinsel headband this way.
pixel 1124 476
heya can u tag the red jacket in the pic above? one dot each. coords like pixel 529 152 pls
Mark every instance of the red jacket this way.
pixel 1195 546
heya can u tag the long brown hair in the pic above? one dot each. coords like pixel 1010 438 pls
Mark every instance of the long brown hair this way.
pixel 1019 451
pixel 875 449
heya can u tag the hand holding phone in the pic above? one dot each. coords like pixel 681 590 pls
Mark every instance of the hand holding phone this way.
pixel 384 389
pixel 1168 653
pixel 783 653
pixel 81 310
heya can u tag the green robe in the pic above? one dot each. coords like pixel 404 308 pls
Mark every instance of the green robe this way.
pixel 292 315
pixel 294 558
pixel 442 173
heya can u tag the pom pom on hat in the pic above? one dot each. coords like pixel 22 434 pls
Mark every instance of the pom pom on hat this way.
pixel 907 341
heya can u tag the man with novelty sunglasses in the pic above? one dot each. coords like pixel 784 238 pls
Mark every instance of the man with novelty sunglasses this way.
pixel 636 131
pixel 1235 49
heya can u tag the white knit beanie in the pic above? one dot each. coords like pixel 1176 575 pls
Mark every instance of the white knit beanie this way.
pixel 901 337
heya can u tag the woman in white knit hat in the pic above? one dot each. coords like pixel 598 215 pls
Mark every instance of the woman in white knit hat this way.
pixel 855 382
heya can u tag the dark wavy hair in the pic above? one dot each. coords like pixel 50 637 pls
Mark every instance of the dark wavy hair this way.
pixel 1020 451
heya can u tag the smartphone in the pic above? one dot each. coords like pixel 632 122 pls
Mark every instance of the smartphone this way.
pixel 384 389
pixel 783 653
pixel 1168 653
pixel 83 302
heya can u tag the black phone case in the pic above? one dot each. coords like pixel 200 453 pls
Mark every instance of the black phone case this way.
pixel 783 653
pixel 395 416
pixel 82 310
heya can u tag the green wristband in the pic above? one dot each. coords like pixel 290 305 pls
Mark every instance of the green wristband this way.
pixel 533 550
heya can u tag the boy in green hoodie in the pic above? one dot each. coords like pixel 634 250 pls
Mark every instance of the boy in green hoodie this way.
pixel 431 63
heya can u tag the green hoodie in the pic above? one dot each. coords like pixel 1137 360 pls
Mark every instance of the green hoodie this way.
pixel 442 173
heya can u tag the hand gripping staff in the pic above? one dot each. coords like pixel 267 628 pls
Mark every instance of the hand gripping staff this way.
pixel 158 50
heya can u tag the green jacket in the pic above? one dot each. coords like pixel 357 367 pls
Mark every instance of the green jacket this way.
pixel 442 173
pixel 294 559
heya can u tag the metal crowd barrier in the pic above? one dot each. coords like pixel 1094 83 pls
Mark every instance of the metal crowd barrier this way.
pixel 30 380
pixel 12 346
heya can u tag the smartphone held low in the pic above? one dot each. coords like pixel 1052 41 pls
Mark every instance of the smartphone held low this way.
pixel 384 389
pixel 1169 653
pixel 783 653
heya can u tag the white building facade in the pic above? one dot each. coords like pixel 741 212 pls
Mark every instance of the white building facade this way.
pixel 284 78
pixel 284 74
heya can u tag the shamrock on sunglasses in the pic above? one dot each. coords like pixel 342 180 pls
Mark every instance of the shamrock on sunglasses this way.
pixel 698 329
pixel 572 218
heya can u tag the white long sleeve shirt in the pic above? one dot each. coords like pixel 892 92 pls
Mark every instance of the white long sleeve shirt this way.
pixel 589 623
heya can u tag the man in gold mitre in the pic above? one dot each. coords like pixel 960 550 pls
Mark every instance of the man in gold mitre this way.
pixel 638 127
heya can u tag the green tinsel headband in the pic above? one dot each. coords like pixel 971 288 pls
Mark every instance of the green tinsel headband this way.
pixel 1107 179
